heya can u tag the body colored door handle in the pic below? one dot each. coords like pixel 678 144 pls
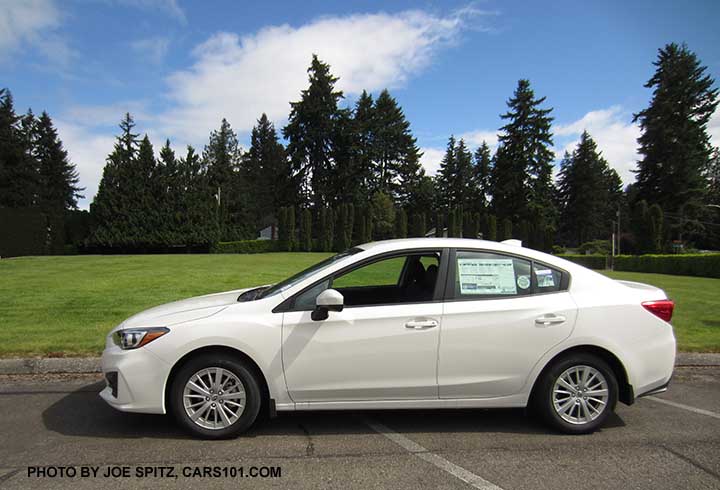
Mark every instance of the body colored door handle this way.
pixel 547 320
pixel 421 324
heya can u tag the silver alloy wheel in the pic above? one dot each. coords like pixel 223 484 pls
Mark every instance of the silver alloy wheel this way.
pixel 214 398
pixel 580 394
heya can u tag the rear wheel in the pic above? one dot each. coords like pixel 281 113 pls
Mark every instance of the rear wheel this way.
pixel 577 394
pixel 215 397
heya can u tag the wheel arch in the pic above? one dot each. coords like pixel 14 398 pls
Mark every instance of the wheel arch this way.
pixel 266 404
pixel 625 395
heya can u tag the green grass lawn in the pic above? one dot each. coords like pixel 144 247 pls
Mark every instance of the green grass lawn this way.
pixel 66 305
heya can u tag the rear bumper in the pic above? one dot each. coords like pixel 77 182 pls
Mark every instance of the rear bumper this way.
pixel 135 380
pixel 654 391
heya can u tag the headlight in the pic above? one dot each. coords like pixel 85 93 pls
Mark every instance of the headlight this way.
pixel 132 338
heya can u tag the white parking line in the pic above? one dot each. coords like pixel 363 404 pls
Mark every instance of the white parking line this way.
pixel 685 407
pixel 432 458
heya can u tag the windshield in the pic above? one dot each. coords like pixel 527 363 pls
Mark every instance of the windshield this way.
pixel 300 276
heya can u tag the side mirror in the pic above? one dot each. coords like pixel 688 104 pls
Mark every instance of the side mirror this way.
pixel 328 300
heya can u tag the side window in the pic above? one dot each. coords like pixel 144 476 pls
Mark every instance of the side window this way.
pixel 403 279
pixel 546 279
pixel 480 274
pixel 382 273
pixel 306 299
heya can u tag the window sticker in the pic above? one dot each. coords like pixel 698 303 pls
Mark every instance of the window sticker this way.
pixel 545 278
pixel 523 282
pixel 486 276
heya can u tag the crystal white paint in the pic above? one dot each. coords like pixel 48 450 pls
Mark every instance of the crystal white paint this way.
pixel 479 353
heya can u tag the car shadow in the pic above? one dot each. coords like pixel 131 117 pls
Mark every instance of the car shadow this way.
pixel 83 413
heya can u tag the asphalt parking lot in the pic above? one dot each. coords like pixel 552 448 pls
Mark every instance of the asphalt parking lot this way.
pixel 59 421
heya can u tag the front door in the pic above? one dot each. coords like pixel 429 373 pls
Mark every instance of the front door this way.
pixel 382 346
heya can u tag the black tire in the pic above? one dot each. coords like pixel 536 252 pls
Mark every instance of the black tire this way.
pixel 543 402
pixel 253 396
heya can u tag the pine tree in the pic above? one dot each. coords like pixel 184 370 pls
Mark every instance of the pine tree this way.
pixel 58 187
pixel 309 133
pixel 588 191
pixel 170 197
pixel 481 171
pixel 401 224
pixel 364 128
pixel 267 173
pixel 111 209
pixel 306 230
pixel 222 157
pixel 522 171
pixel 492 228
pixel 197 207
pixel 418 225
pixel 18 170
pixel 445 177
pixel 383 216
pixel 674 144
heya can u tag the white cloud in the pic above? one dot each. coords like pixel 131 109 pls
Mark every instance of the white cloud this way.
pixel 169 7
pixel 90 116
pixel 613 131
pixel 32 23
pixel 714 128
pixel 431 159
pixel 476 138
pixel 241 77
pixel 87 150
pixel 153 48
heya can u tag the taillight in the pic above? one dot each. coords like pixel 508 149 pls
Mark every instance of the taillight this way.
pixel 662 309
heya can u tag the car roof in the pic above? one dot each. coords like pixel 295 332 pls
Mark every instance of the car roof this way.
pixel 437 242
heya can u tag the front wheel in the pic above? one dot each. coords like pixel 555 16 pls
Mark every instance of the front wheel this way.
pixel 215 397
pixel 577 394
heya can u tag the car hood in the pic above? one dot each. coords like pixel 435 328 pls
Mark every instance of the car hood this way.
pixel 183 311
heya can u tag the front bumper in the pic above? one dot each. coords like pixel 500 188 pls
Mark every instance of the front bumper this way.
pixel 135 380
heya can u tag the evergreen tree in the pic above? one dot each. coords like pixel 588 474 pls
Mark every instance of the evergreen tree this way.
pixel 401 224
pixel 383 216
pixel 222 157
pixel 446 175
pixel 111 208
pixel 655 213
pixel 674 144
pixel 588 191
pixel 18 171
pixel 417 225
pixel 492 228
pixel 394 149
pixel 481 170
pixel 306 230
pixel 170 197
pixel 267 173
pixel 507 230
pixel 58 189
pixel 309 133
pixel 522 172
pixel 364 128
pixel 197 205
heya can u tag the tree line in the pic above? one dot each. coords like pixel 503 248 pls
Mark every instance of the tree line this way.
pixel 349 174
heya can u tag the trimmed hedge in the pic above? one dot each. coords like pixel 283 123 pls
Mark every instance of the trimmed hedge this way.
pixel 246 247
pixel 701 265
pixel 589 261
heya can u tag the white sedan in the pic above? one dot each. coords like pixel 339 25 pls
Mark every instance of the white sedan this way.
pixel 400 324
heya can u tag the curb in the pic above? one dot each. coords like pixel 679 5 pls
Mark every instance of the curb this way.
pixel 39 365
pixel 89 365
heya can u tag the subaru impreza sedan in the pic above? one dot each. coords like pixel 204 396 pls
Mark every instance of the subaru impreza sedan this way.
pixel 400 324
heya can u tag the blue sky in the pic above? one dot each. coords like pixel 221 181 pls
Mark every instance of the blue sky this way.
pixel 179 66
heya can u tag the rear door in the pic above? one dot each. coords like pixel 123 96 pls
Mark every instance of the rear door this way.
pixel 502 313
